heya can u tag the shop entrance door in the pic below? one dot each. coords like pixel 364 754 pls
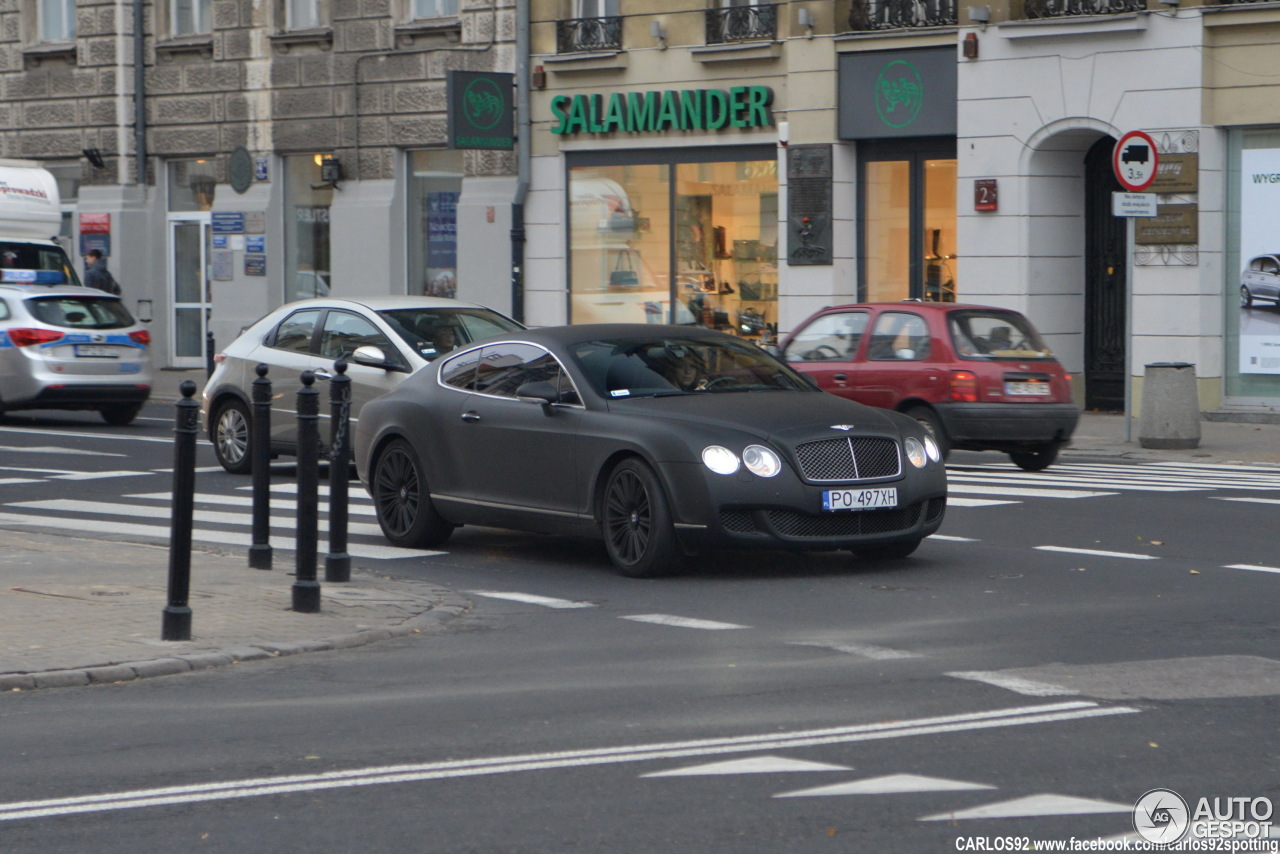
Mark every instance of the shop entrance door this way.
pixel 1105 285
pixel 907 218
pixel 189 294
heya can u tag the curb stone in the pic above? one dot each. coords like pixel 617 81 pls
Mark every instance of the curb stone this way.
pixel 450 607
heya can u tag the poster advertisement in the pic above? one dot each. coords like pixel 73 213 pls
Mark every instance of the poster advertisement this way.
pixel 1259 261
pixel 441 221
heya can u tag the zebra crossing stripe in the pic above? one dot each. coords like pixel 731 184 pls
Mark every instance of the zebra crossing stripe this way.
pixel 208 517
pixel 218 538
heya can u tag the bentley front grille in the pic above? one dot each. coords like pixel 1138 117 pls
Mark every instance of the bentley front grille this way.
pixel 788 523
pixel 849 458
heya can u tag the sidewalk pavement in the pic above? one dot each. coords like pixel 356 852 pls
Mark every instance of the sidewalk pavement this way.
pixel 82 611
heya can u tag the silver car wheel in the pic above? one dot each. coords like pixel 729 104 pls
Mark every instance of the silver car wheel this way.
pixel 231 438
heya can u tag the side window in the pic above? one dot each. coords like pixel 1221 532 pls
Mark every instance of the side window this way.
pixel 343 332
pixel 420 9
pixel 296 331
pixel 506 367
pixel 1269 265
pixel 460 371
pixel 899 336
pixel 4 310
pixel 56 20
pixel 832 337
pixel 190 17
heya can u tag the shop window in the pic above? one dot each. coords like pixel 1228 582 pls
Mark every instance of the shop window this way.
pixel 435 185
pixel 907 210
pixel 306 233
pixel 192 184
pixel 687 243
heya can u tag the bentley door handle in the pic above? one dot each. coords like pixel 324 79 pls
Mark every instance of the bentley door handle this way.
pixel 471 415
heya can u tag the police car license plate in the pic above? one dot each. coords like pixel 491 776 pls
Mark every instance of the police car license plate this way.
pixel 859 499
pixel 93 351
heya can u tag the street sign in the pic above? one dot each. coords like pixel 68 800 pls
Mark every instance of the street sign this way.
pixel 1135 161
pixel 1133 204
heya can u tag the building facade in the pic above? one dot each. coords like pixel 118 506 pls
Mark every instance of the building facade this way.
pixel 735 165
pixel 286 150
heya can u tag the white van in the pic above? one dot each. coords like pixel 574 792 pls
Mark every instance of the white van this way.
pixel 30 218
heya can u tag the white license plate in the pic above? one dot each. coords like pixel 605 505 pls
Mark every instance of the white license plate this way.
pixel 93 351
pixel 859 499
pixel 1040 389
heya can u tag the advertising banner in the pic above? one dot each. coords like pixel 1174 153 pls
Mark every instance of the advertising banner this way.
pixel 1259 266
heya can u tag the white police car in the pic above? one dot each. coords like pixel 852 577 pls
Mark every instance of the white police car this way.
pixel 69 347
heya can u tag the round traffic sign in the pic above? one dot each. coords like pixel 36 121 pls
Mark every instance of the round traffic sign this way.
pixel 1135 161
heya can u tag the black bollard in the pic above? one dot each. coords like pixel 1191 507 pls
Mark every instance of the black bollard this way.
pixel 260 448
pixel 176 625
pixel 337 564
pixel 306 590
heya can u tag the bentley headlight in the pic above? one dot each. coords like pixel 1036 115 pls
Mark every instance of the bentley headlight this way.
pixel 761 461
pixel 931 448
pixel 915 452
pixel 720 460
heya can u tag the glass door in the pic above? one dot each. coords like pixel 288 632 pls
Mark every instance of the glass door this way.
pixel 190 297
pixel 907 208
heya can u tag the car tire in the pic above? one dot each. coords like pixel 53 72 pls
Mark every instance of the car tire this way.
pixel 120 414
pixel 888 551
pixel 929 420
pixel 1036 460
pixel 636 520
pixel 1246 298
pixel 229 432
pixel 406 514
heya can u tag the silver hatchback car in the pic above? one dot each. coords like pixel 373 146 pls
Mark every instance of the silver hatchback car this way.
pixel 69 347
pixel 382 339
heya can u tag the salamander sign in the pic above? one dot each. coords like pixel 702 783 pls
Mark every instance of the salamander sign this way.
pixel 671 109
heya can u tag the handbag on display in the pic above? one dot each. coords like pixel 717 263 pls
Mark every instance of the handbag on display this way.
pixel 624 275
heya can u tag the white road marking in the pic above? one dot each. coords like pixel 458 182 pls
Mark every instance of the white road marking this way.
pixel 1026 492
pixel 1249 500
pixel 959 539
pixel 197 470
pixel 954 501
pixel 219 538
pixel 1096 553
pixel 1020 716
pixel 50 449
pixel 893 784
pixel 208 517
pixel 1034 805
pixel 13 480
pixel 1252 567
pixel 531 599
pixel 242 501
pixel 1134 485
pixel 878 653
pixel 44 431
pixel 683 622
pixel 754 765
pixel 1027 687
pixel 99 475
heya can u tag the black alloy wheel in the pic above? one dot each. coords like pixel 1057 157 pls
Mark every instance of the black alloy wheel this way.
pixel 405 512
pixel 231 437
pixel 638 532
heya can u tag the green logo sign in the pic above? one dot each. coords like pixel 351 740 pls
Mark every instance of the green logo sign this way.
pixel 482 103
pixel 671 109
pixel 899 93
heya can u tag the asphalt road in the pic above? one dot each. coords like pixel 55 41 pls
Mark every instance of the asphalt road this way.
pixel 1030 673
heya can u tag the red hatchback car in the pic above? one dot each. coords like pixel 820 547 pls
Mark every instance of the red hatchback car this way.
pixel 979 378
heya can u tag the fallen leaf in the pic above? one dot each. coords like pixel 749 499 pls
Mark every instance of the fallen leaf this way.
pixel 1152 744
pixel 1195 572
pixel 1157 542
pixel 1081 569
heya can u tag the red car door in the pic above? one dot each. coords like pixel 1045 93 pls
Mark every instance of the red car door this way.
pixel 827 348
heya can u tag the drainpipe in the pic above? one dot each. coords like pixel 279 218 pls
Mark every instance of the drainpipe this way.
pixel 523 141
pixel 139 94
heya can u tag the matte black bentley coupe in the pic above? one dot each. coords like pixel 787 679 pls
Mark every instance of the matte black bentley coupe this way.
pixel 665 440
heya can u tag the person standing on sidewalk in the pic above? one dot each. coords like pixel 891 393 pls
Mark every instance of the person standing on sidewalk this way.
pixel 96 274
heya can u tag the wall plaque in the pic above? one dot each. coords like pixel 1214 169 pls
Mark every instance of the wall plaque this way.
pixel 809 205
pixel 1177 173
pixel 1171 224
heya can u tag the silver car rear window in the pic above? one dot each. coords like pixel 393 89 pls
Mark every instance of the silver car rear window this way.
pixel 74 312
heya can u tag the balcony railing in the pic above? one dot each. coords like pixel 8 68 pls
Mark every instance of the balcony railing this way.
pixel 899 14
pixel 742 24
pixel 576 35
pixel 1067 8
